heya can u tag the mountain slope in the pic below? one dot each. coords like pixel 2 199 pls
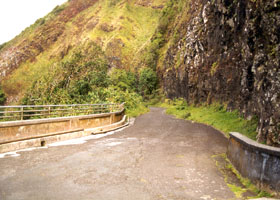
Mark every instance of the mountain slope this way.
pixel 121 27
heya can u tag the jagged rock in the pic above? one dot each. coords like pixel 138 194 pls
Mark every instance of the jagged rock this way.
pixel 231 55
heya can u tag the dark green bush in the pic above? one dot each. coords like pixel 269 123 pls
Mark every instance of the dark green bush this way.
pixel 2 97
pixel 58 9
pixel 147 81
pixel 40 21
pixel 82 77
pixel 123 79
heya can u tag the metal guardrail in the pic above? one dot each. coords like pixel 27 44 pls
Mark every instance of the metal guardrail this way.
pixel 14 113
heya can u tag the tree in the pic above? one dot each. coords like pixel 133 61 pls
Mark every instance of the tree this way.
pixel 147 81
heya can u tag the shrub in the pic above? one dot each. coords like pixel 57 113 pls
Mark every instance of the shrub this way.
pixel 82 77
pixel 2 97
pixel 58 9
pixel 123 79
pixel 147 81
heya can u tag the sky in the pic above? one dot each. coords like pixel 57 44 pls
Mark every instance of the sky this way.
pixel 16 15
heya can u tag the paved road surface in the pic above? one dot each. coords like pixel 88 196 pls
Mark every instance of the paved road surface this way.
pixel 159 157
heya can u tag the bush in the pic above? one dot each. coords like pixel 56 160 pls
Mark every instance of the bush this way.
pixel 58 9
pixel 71 80
pixel 82 77
pixel 2 97
pixel 147 81
pixel 123 79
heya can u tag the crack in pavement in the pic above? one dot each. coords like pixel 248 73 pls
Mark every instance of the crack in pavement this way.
pixel 159 157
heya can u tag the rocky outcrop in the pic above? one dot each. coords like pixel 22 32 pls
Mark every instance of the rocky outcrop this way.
pixel 228 52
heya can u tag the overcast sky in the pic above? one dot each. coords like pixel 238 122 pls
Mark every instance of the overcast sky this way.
pixel 16 15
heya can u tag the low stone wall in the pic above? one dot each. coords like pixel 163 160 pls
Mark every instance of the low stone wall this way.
pixel 29 133
pixel 260 163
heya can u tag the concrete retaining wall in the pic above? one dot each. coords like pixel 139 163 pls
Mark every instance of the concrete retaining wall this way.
pixel 31 133
pixel 260 163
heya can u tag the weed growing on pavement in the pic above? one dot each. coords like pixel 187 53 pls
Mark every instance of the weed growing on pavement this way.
pixel 240 186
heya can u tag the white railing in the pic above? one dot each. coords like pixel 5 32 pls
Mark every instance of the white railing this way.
pixel 14 113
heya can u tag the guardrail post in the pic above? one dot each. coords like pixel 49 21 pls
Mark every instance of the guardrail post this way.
pixel 49 111
pixel 21 113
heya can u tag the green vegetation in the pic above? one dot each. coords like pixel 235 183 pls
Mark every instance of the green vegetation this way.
pixel 171 18
pixel 3 45
pixel 246 182
pixel 2 97
pixel 214 115
pixel 106 67
pixel 214 68
pixel 238 191
pixel 129 26
pixel 240 186
pixel 159 39
pixel 58 9
pixel 132 26
pixel 125 80
pixel 83 77
pixel 147 81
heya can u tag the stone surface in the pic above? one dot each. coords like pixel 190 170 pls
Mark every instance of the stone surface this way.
pixel 19 130
pixel 260 163
pixel 29 133
pixel 160 157
pixel 228 52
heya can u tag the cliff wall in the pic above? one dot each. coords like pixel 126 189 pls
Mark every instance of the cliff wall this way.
pixel 228 52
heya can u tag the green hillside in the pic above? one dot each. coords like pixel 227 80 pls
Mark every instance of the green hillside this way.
pixel 121 28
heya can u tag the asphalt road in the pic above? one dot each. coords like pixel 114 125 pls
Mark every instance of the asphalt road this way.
pixel 159 157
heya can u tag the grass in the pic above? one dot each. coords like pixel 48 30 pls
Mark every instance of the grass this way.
pixel 214 115
pixel 238 191
pixel 139 110
pixel 217 116
pixel 133 24
pixel 247 183
pixel 23 77
pixel 238 185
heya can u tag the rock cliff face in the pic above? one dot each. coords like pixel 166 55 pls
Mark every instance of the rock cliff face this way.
pixel 228 52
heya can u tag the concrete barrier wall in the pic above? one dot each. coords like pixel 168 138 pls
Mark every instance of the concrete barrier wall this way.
pixel 21 130
pixel 260 163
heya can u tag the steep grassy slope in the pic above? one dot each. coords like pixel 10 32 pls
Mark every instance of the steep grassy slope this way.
pixel 120 27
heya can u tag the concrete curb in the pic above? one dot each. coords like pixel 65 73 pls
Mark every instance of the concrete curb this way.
pixel 260 163
pixel 44 140
pixel 255 145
